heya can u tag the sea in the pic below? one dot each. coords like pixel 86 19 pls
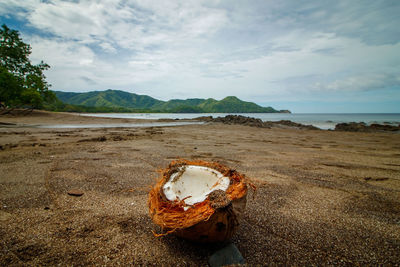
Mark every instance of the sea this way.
pixel 321 120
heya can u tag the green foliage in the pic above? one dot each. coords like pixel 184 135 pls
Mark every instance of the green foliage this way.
pixel 59 106
pixel 186 109
pixel 115 99
pixel 22 84
pixel 232 104
pixel 10 87
pixel 108 98
pixel 174 105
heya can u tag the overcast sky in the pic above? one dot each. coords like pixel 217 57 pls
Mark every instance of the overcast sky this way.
pixel 306 56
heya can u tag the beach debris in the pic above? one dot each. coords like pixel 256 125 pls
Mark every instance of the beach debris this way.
pixel 198 200
pixel 376 179
pixel 226 256
pixel 75 192
pixel 94 139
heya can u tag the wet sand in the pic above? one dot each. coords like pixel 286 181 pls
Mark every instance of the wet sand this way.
pixel 323 197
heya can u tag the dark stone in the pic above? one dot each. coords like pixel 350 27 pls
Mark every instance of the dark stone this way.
pixel 95 139
pixel 228 255
pixel 362 127
pixel 204 118
pixel 290 124
pixel 239 119
pixel 75 192
pixel 254 122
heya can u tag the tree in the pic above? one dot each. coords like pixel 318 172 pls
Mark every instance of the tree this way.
pixel 22 84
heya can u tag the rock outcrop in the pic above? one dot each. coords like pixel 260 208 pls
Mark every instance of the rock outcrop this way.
pixel 363 127
pixel 254 122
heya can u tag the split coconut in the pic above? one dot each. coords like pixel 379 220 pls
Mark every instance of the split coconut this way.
pixel 198 200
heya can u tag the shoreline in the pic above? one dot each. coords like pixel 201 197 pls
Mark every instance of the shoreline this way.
pixel 47 119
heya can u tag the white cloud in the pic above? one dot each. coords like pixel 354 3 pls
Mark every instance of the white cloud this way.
pixel 79 21
pixel 107 47
pixel 13 7
pixel 361 82
pixel 212 48
pixel 310 66
pixel 66 54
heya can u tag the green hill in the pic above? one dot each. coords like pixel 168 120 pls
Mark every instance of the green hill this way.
pixel 232 104
pixel 120 100
pixel 108 98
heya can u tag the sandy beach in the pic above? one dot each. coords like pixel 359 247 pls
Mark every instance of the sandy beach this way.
pixel 323 197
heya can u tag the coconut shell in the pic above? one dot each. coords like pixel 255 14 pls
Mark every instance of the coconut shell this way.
pixel 213 220
pixel 219 228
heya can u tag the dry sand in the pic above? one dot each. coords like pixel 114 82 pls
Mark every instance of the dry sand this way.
pixel 322 197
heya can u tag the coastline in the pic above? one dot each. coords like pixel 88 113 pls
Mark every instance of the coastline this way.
pixel 323 121
pixel 342 122
pixel 323 197
pixel 49 117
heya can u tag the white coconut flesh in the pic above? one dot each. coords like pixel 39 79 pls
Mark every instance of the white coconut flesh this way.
pixel 194 183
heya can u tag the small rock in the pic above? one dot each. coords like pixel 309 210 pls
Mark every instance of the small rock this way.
pixel 4 216
pixel 229 255
pixel 75 192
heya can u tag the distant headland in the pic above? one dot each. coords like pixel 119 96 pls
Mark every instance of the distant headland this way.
pixel 121 101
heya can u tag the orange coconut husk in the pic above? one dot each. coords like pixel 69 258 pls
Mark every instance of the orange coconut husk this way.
pixel 213 220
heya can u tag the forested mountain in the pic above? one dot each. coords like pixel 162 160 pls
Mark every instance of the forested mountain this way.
pixel 124 100
pixel 108 98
